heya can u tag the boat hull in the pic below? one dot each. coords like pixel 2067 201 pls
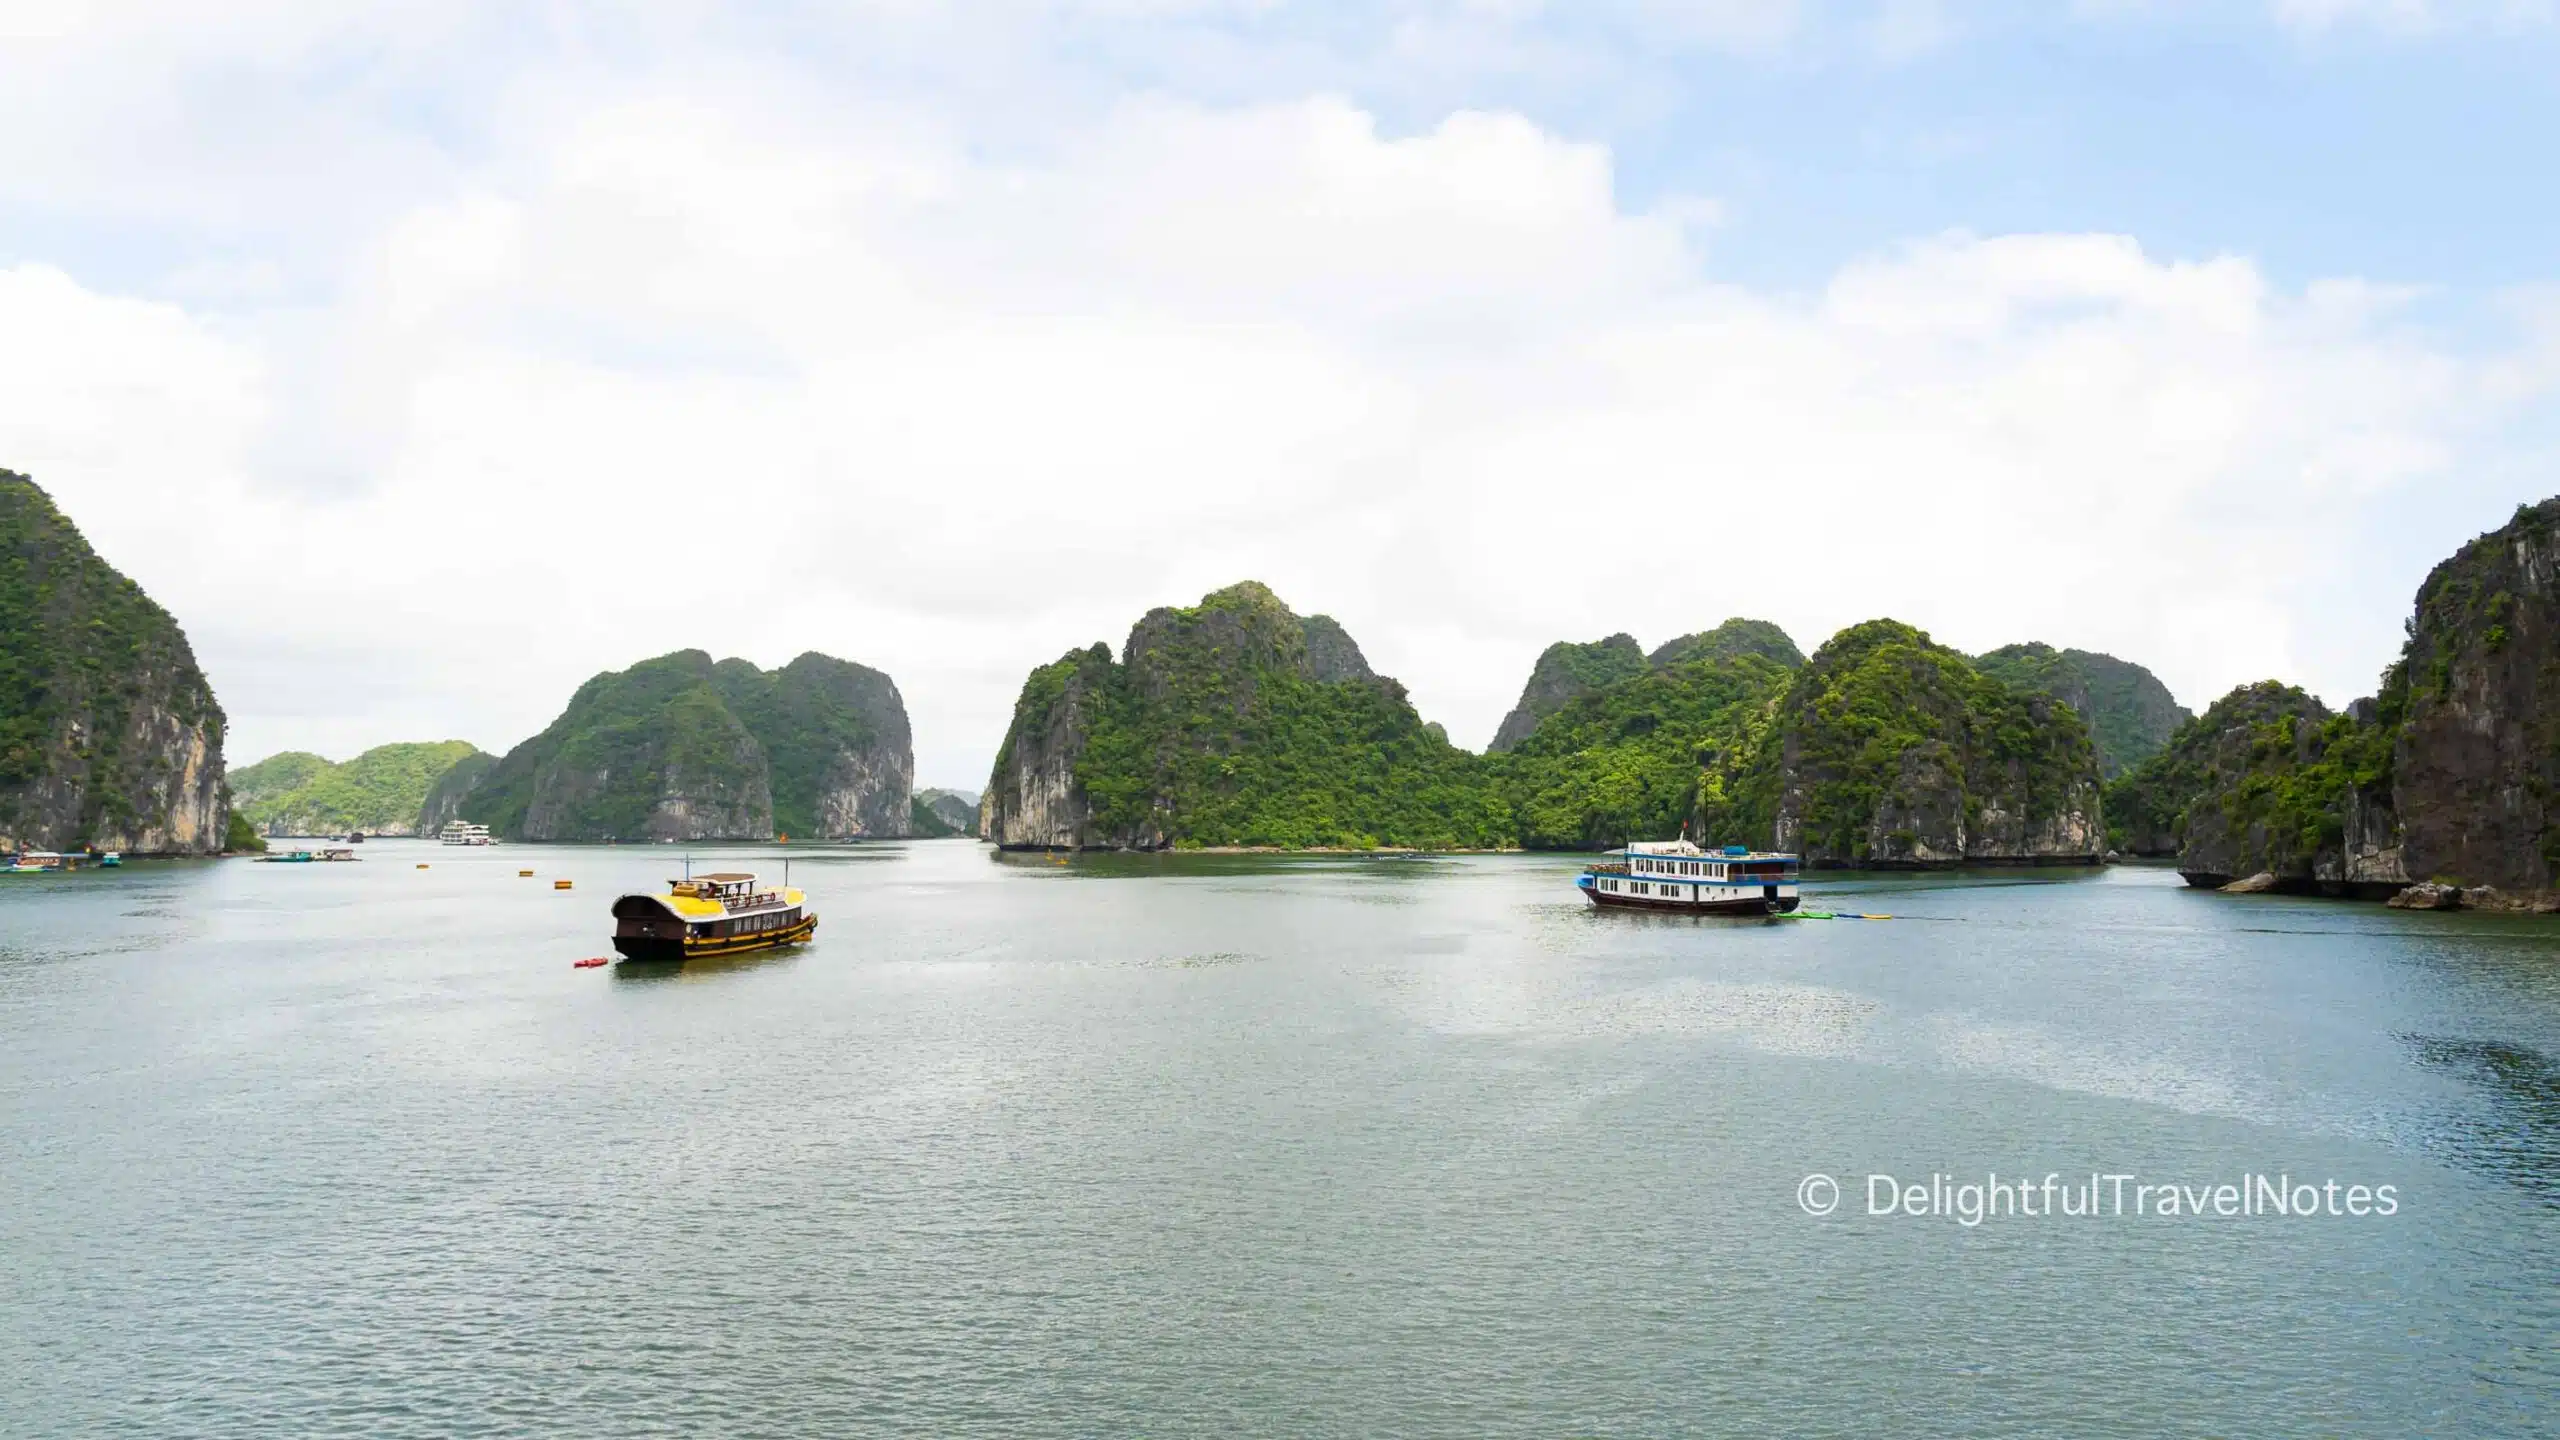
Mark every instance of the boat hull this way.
pixel 651 947
pixel 1753 905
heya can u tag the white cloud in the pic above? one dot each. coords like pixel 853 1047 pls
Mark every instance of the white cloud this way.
pixel 722 359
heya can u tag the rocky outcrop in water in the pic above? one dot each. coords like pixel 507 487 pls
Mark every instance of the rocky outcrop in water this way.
pixel 2269 781
pixel 2445 778
pixel 1889 750
pixel 2476 767
pixel 1034 798
pixel 681 748
pixel 1232 722
pixel 109 734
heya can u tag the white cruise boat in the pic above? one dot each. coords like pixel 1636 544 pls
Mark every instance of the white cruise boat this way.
pixel 463 832
pixel 1676 875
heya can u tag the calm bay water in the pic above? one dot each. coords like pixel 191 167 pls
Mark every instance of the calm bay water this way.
pixel 1242 1145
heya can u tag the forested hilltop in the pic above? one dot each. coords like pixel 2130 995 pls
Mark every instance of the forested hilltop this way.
pixel 685 748
pixel 379 792
pixel 1232 722
pixel 1567 671
pixel 109 734
pixel 1226 724
pixel 2130 714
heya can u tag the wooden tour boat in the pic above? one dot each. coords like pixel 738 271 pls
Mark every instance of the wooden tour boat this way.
pixel 1677 876
pixel 705 915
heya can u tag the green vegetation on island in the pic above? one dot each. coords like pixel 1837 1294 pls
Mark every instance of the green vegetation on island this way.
pixel 109 734
pixel 682 747
pixel 1566 671
pixel 379 792
pixel 1628 761
pixel 242 838
pixel 1890 749
pixel 2130 714
pixel 2440 789
pixel 1735 637
pixel 1216 729
pixel 2267 779
pixel 1226 727
pixel 927 823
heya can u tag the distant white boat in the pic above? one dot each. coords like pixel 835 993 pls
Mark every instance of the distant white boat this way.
pixel 463 832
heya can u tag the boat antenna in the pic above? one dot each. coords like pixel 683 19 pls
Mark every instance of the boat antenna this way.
pixel 688 864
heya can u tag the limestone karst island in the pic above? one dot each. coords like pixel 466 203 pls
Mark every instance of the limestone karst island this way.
pixel 1239 723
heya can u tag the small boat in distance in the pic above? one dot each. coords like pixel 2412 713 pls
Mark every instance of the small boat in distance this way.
pixel 463 832
pixel 705 915
pixel 306 857
pixel 1678 876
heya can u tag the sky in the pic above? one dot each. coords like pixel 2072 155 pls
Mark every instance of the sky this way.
pixel 426 359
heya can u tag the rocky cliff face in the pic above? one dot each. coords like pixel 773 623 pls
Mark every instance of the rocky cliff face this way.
pixel 2130 714
pixel 444 799
pixel 2445 777
pixel 1890 750
pixel 836 736
pixel 1034 799
pixel 1332 655
pixel 109 734
pixel 681 748
pixel 2269 781
pixel 690 777
pixel 2476 767
pixel 1232 722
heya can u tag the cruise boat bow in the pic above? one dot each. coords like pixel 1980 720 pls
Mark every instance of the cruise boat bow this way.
pixel 1677 876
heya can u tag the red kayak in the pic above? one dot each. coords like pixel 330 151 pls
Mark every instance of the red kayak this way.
pixel 593 961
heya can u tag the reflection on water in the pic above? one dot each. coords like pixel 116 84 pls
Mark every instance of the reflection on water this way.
pixel 2519 1138
pixel 658 972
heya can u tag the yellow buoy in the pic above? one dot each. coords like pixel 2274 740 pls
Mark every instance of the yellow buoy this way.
pixel 422 864
pixel 524 874
pixel 559 884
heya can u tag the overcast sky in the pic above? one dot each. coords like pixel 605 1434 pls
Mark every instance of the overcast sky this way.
pixel 428 360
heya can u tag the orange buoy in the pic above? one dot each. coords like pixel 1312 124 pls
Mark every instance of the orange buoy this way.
pixel 592 962
pixel 422 864
pixel 559 884
pixel 524 874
